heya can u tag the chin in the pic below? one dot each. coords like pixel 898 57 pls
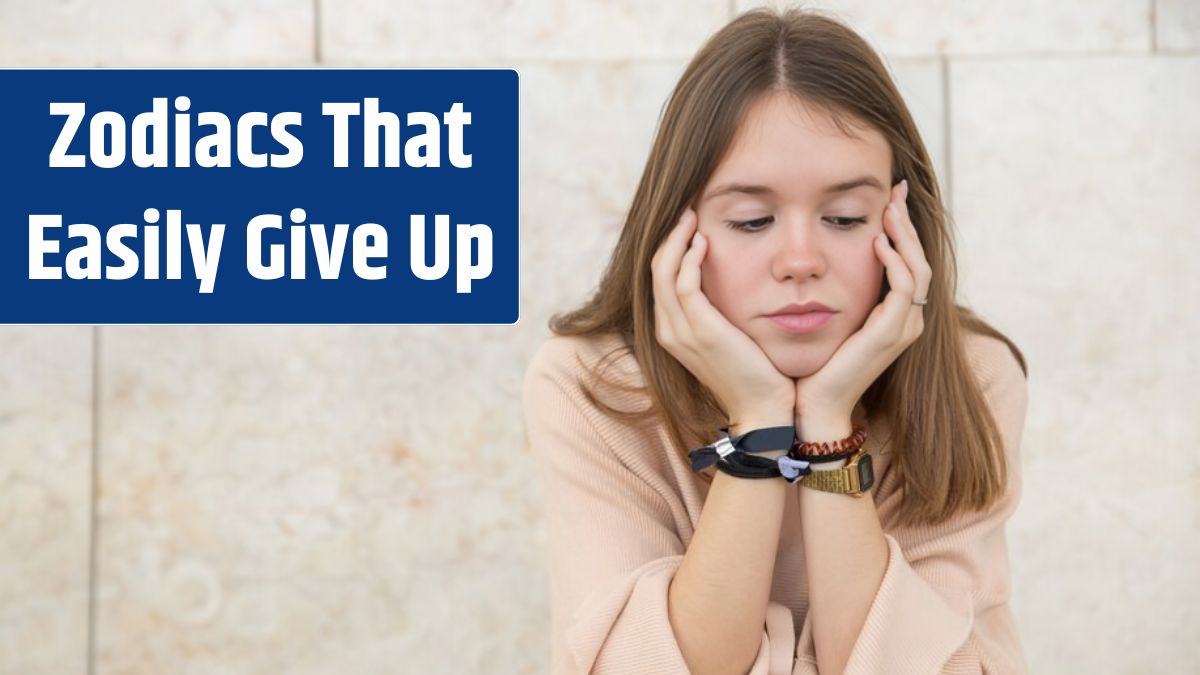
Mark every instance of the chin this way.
pixel 797 361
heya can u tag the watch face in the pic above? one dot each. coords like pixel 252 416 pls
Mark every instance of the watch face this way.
pixel 866 472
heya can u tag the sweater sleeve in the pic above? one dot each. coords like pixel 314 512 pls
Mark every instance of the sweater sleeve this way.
pixel 612 544
pixel 943 604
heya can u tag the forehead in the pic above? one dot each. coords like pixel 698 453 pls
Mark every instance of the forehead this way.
pixel 782 138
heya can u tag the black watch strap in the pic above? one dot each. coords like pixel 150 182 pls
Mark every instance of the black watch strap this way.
pixel 765 439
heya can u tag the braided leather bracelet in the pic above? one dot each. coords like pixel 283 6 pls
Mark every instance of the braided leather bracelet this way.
pixel 829 451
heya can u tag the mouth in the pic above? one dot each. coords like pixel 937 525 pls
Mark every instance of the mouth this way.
pixel 806 322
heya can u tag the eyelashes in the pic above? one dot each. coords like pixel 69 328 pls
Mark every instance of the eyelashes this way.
pixel 756 225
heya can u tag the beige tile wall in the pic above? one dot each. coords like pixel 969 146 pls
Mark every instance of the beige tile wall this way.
pixel 274 499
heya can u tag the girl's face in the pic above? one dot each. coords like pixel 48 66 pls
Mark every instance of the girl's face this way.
pixel 811 200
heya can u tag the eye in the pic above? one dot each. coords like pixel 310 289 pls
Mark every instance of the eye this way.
pixel 846 223
pixel 840 223
pixel 749 225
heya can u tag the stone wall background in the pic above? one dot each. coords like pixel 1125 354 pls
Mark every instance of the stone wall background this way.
pixel 275 499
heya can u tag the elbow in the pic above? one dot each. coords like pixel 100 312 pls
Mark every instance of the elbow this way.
pixel 708 666
pixel 710 647
pixel 708 654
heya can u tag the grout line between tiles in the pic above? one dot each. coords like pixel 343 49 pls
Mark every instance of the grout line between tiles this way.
pixel 947 140
pixel 1043 55
pixel 626 61
pixel 93 531
pixel 316 31
pixel 1153 26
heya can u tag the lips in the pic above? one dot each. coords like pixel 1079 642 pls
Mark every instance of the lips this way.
pixel 806 322
pixel 795 308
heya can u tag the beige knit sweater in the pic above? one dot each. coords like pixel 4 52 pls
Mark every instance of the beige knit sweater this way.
pixel 621 509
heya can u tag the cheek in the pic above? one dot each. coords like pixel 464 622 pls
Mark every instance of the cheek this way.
pixel 867 279
pixel 718 266
pixel 873 269
pixel 714 274
pixel 723 278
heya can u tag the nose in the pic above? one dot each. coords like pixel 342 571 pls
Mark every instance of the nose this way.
pixel 799 254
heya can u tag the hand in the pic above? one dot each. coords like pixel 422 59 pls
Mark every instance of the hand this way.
pixel 832 392
pixel 720 355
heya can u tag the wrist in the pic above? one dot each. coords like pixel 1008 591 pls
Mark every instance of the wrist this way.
pixel 761 422
pixel 739 426
pixel 823 429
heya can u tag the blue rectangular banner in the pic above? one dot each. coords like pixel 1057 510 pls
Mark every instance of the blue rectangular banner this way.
pixel 291 196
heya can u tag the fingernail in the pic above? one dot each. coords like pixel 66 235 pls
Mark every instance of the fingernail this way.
pixel 694 238
pixel 904 189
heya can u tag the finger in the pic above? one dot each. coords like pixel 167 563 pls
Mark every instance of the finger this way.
pixel 665 269
pixel 914 323
pixel 678 239
pixel 897 223
pixel 900 227
pixel 897 305
pixel 688 279
pixel 701 316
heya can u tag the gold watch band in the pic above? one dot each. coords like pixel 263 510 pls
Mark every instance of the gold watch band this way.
pixel 853 479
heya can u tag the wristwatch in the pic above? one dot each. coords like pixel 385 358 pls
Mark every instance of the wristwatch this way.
pixel 853 479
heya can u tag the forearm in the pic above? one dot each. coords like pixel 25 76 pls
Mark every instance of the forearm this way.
pixel 718 599
pixel 846 557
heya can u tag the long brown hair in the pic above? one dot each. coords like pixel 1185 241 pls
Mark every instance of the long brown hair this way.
pixel 929 396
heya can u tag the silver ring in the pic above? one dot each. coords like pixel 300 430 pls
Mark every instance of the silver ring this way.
pixel 920 302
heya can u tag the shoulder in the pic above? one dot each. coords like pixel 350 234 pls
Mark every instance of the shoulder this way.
pixel 582 370
pixel 993 362
pixel 568 359
pixel 596 377
pixel 1003 384
pixel 554 398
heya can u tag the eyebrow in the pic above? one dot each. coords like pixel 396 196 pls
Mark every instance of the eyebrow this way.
pixel 861 181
